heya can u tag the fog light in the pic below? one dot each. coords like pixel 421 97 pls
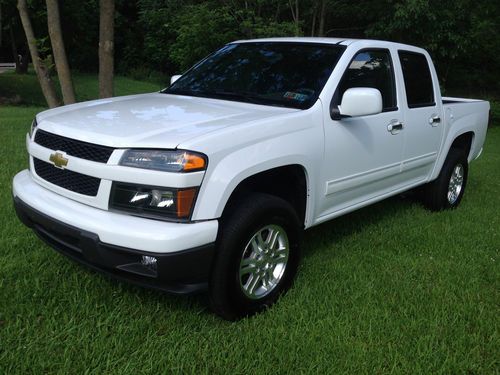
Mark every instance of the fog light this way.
pixel 149 262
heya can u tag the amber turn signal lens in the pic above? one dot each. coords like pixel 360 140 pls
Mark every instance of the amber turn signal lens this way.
pixel 185 199
pixel 193 162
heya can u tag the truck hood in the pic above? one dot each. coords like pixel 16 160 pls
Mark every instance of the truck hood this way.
pixel 149 120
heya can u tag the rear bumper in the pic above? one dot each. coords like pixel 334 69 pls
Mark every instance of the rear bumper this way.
pixel 180 272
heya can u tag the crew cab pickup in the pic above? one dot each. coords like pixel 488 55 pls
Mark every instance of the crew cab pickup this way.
pixel 209 183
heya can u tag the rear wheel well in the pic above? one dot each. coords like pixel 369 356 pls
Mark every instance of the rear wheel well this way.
pixel 463 142
pixel 287 182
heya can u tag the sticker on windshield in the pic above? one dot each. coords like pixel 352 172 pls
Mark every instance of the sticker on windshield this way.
pixel 296 96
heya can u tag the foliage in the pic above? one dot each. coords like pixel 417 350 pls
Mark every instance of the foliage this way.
pixel 176 39
pixel 452 31
pixel 80 23
pixel 194 39
pixel 171 35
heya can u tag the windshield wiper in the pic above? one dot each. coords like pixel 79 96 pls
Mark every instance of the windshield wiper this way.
pixel 178 92
pixel 240 95
pixel 218 94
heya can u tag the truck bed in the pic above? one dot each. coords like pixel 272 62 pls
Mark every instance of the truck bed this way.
pixel 453 100
pixel 467 113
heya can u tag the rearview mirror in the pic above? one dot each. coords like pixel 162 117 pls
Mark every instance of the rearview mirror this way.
pixel 174 78
pixel 360 101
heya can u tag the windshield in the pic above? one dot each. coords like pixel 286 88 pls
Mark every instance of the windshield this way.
pixel 281 74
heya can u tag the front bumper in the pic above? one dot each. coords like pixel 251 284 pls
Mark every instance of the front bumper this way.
pixel 64 225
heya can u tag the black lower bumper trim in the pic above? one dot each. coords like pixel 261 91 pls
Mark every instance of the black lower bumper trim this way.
pixel 181 272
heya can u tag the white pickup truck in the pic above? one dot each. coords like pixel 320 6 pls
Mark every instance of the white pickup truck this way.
pixel 209 184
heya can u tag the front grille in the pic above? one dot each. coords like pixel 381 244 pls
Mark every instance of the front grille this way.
pixel 74 181
pixel 73 147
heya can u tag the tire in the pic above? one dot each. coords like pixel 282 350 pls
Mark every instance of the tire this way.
pixel 233 295
pixel 447 190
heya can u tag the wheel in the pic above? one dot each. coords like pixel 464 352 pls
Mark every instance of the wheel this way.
pixel 448 189
pixel 257 256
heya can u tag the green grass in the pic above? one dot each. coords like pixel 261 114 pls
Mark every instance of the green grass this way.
pixel 24 89
pixel 391 288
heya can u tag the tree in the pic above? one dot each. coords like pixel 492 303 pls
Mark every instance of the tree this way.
pixel 446 29
pixel 295 9
pixel 322 16
pixel 42 71
pixel 12 30
pixel 20 57
pixel 60 59
pixel 230 22
pixel 106 47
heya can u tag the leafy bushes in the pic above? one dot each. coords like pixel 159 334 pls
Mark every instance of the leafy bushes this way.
pixel 177 39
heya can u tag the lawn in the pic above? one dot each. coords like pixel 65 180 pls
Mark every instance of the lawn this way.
pixel 391 288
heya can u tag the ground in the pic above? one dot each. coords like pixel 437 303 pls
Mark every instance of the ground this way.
pixel 391 288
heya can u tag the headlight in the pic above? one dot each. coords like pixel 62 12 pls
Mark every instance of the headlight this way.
pixel 33 126
pixel 164 160
pixel 153 202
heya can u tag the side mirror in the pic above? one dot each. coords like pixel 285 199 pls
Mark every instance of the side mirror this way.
pixel 360 101
pixel 174 78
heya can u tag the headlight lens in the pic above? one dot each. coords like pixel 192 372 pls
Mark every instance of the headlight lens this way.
pixel 33 126
pixel 164 160
pixel 150 201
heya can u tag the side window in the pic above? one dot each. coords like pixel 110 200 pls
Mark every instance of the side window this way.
pixel 371 68
pixel 418 79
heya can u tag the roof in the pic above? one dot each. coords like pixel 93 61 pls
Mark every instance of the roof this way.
pixel 342 41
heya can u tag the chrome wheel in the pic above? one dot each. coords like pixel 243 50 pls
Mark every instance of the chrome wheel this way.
pixel 263 262
pixel 456 183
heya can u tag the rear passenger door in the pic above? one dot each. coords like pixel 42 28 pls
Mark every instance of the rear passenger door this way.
pixel 423 117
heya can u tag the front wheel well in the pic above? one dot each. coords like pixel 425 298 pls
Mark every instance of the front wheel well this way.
pixel 287 182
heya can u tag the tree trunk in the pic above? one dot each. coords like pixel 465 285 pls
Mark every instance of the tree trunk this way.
pixel 297 21
pixel 42 73
pixel 277 14
pixel 60 59
pixel 13 46
pixel 294 8
pixel 106 47
pixel 322 17
pixel 21 59
pixel 313 22
pixel 24 62
pixel 1 26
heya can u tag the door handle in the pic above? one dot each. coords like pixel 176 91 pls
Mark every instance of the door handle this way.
pixel 395 127
pixel 434 120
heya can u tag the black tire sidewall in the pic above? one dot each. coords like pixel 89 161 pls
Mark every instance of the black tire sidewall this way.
pixel 237 229
pixel 436 193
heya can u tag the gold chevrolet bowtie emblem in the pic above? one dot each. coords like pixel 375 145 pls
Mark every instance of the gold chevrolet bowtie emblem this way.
pixel 59 160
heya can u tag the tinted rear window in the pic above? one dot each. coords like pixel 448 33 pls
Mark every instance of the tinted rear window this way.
pixel 418 80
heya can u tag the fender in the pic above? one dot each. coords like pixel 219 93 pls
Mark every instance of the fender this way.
pixel 220 183
pixel 459 120
pixel 287 141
